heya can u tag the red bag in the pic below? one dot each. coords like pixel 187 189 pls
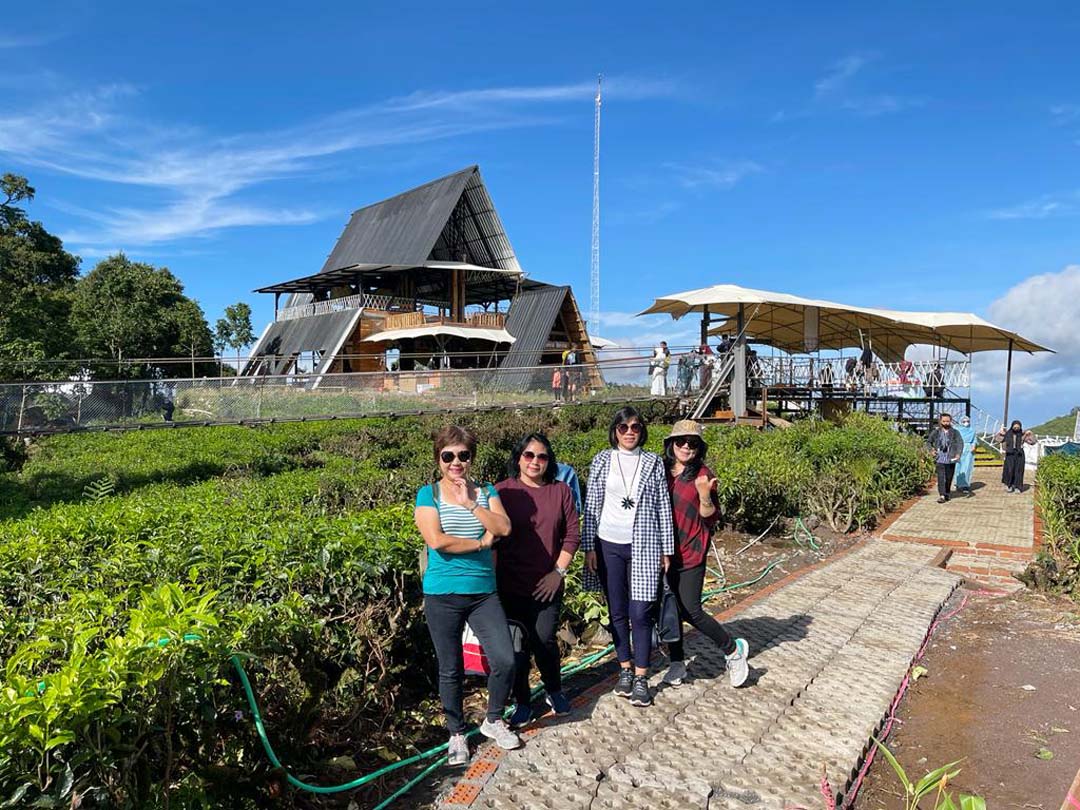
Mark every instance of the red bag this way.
pixel 476 661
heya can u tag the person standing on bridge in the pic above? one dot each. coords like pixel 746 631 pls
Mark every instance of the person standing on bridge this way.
pixel 628 539
pixel 945 442
pixel 532 563
pixel 1012 442
pixel 695 511
pixel 459 520
pixel 966 465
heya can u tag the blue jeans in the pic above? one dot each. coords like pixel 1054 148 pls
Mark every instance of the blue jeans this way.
pixel 631 619
pixel 446 615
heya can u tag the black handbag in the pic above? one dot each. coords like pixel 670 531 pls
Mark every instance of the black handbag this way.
pixel 668 627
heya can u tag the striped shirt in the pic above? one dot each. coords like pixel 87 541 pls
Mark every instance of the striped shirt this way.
pixel 472 572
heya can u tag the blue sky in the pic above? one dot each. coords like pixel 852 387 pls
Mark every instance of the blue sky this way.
pixel 903 155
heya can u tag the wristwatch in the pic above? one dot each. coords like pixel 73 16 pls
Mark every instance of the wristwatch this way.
pixel 560 571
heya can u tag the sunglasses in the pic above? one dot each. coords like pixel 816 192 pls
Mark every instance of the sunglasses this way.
pixel 628 427
pixel 447 456
pixel 687 441
pixel 529 455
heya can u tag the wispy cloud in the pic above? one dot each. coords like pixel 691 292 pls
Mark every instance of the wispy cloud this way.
pixel 11 41
pixel 721 175
pixel 1062 114
pixel 842 88
pixel 1044 207
pixel 205 180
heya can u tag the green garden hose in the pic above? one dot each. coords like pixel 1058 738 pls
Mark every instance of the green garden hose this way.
pixel 260 727
pixel 807 536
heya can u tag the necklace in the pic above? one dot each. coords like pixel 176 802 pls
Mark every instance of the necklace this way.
pixel 627 501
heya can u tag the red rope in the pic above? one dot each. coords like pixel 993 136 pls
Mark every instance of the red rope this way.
pixel 849 799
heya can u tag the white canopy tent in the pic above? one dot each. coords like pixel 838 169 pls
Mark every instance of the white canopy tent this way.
pixel 442 331
pixel 795 324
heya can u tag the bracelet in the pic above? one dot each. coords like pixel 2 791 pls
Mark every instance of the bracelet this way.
pixel 475 506
pixel 560 571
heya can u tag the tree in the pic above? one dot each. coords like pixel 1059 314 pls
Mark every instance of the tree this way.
pixel 125 310
pixel 37 279
pixel 193 333
pixel 234 330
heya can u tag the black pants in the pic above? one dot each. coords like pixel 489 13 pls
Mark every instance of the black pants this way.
pixel 686 585
pixel 446 616
pixel 944 478
pixel 541 622
pixel 627 616
pixel 1012 474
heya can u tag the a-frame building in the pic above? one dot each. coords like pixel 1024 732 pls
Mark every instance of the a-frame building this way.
pixel 432 273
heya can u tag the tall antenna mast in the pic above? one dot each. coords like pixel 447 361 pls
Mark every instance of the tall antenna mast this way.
pixel 594 264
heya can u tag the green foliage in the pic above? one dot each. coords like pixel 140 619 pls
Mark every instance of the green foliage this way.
pixel 125 310
pixel 932 783
pixel 1059 425
pixel 1057 493
pixel 37 277
pixel 293 545
pixel 234 330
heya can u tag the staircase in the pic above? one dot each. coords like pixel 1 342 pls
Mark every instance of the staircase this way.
pixel 721 379
pixel 986 456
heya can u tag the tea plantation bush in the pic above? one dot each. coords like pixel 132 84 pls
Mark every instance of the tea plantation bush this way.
pixel 133 566
pixel 1058 495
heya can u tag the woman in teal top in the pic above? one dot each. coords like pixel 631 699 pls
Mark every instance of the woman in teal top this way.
pixel 459 520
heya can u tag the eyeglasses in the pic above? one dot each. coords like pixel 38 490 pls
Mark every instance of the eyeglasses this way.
pixel 688 441
pixel 628 427
pixel 529 455
pixel 464 456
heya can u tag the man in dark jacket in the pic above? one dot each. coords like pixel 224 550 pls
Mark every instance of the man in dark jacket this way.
pixel 946 444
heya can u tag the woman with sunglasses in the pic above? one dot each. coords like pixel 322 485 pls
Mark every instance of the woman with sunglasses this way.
pixel 628 540
pixel 696 509
pixel 459 519
pixel 532 563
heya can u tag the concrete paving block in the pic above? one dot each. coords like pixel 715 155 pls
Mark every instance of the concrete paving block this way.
pixel 613 795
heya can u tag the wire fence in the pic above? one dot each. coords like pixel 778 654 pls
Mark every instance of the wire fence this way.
pixel 42 407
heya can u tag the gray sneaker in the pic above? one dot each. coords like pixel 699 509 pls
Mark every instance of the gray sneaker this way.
pixel 457 751
pixel 738 663
pixel 498 731
pixel 676 673
pixel 625 685
pixel 641 696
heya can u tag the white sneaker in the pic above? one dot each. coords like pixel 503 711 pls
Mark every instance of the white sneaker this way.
pixel 738 663
pixel 676 673
pixel 498 731
pixel 457 751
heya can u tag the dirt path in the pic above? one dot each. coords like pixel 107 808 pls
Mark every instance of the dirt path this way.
pixel 1002 683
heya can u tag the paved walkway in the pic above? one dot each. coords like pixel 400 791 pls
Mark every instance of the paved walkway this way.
pixel 829 651
pixel 989 518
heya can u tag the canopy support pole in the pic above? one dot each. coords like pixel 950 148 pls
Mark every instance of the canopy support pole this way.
pixel 705 320
pixel 738 379
pixel 1008 384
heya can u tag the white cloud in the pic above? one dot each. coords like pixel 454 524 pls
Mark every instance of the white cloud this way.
pixel 199 175
pixel 839 76
pixel 1043 308
pixel 840 89
pixel 722 175
pixel 1062 114
pixel 1044 207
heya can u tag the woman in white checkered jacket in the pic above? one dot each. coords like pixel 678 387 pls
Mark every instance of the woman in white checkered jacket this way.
pixel 628 541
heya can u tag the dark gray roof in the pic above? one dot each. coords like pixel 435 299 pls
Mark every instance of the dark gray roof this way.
pixel 314 333
pixel 437 220
pixel 532 316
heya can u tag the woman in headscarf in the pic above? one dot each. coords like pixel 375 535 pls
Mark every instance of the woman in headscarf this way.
pixel 967 458
pixel 1012 441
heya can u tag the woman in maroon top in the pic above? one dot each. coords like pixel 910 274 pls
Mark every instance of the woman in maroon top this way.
pixel 531 565
pixel 695 510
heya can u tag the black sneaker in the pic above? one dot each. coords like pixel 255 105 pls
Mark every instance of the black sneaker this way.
pixel 641 696
pixel 625 686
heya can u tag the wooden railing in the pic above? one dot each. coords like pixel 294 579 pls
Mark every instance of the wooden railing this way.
pixel 487 320
pixel 403 320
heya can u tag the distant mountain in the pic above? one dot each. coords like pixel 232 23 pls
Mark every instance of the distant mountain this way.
pixel 1058 426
